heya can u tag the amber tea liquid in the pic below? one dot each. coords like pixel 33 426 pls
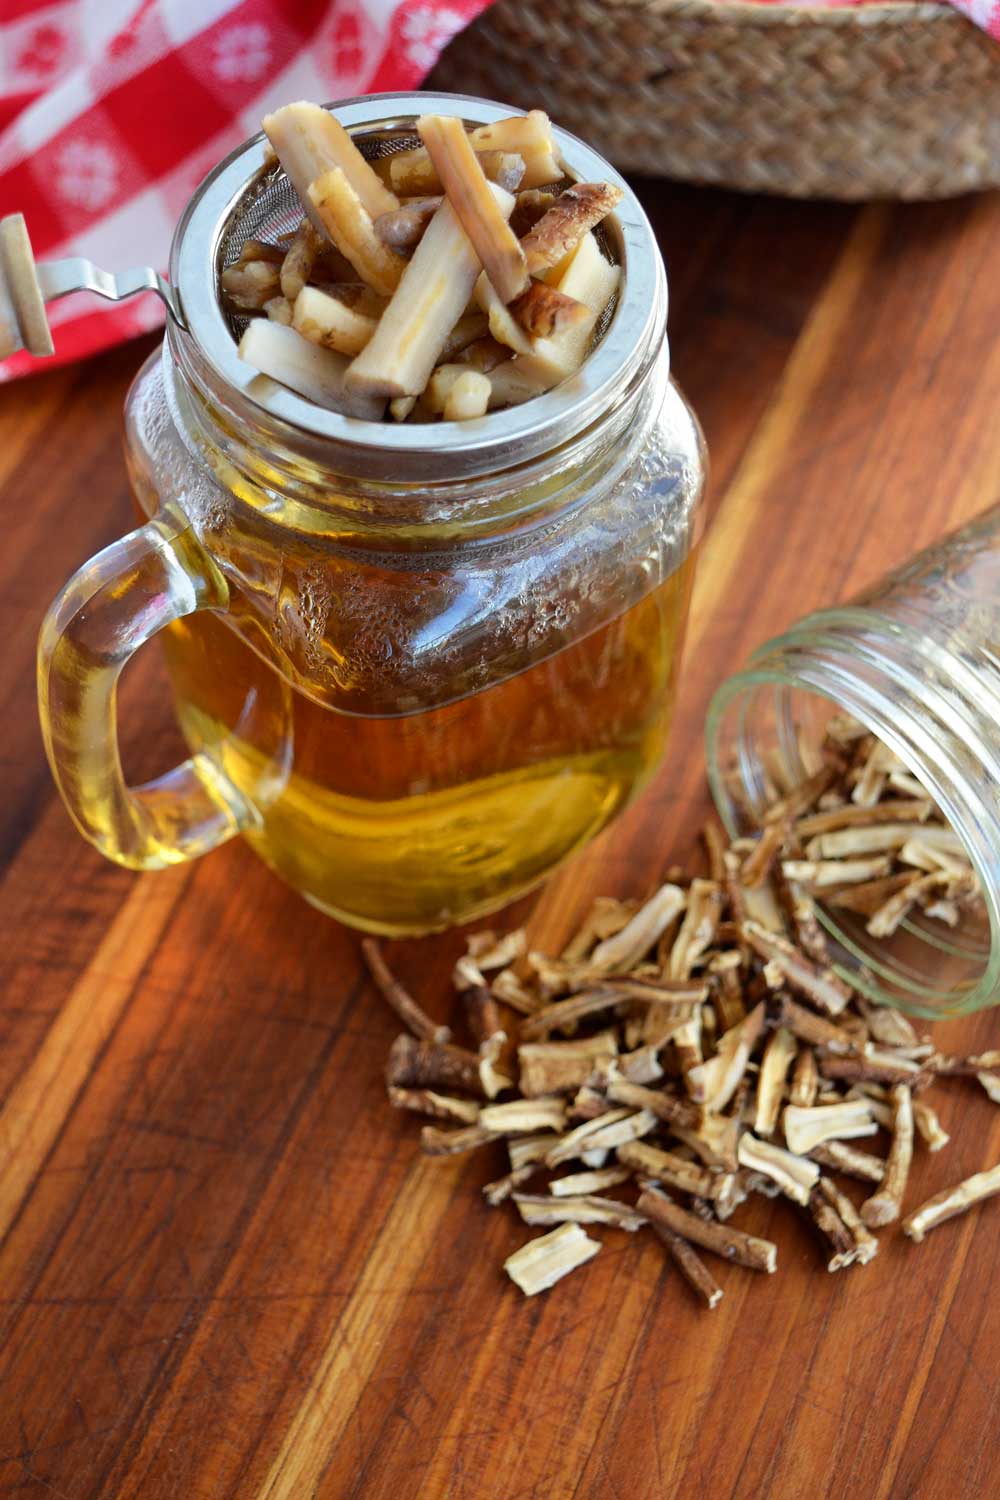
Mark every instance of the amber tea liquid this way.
pixel 413 822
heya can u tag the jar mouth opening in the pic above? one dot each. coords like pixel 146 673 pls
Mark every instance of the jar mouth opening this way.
pixel 405 452
pixel 312 498
pixel 771 717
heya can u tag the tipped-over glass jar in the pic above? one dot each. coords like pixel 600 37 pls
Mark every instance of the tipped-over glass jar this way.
pixel 417 666
pixel 915 659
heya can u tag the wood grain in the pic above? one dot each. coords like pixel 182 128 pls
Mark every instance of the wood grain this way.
pixel 225 1270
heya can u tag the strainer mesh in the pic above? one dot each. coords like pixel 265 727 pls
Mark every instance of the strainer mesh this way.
pixel 270 207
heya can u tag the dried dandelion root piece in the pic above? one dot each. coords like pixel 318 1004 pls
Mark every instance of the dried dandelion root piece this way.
pixel 412 1015
pixel 884 1204
pixel 532 205
pixel 929 1127
pixel 585 1184
pixel 483 1015
pixel 714 1139
pixel 887 1026
pixel 249 286
pixel 542 1208
pixel 951 1202
pixel 413 174
pixel 851 816
pixel 468 397
pixel 690 1264
pixel 403 228
pixel 589 279
pixel 805 1080
pixel 757 866
pixel 795 1175
pixel 849 1160
pixel 868 897
pixel 698 929
pixel 965 1067
pixel 439 1106
pixel 430 1064
pixel 603 1134
pixel 642 931
pixel 310 142
pixel 576 211
pixel 435 1142
pixel 262 250
pixel 730 1244
pixel 887 918
pixel 667 1107
pixel 297 266
pixel 432 296
pixel 499 1191
pixel 779 1054
pixel 672 1170
pixel 491 952
pixel 327 321
pixel 528 137
pixel 805 1128
pixel 503 326
pixel 318 374
pixel 543 311
pixel 714 1082
pixel 521 1115
pixel 640 1066
pixel 279 310
pixel 873 1066
pixel 607 996
pixel 470 328
pixel 814 1029
pixel 349 225
pixel 834 1231
pixel 878 838
pixel 530 1150
pixel 510 386
pixel 865 1243
pixel 564 1014
pixel 821 986
pixel 483 354
pixel 493 1063
pixel 440 386
pixel 477 209
pixel 540 1263
pixel 561 1067
pixel 820 873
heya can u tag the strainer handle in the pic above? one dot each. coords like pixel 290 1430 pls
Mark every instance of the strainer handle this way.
pixel 110 608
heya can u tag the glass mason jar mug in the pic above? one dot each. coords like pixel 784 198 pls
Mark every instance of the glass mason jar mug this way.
pixel 417 666
pixel 915 659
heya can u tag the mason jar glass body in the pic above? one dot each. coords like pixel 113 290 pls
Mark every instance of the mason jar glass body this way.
pixel 914 658
pixel 413 701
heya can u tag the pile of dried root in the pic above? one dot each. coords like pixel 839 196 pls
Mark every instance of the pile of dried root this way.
pixel 447 280
pixel 700 1048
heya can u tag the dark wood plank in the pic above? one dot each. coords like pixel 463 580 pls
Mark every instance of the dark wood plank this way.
pixel 225 1271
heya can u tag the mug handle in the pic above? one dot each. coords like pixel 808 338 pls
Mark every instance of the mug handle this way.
pixel 106 611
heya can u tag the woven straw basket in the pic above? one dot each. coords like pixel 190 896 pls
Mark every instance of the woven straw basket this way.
pixel 895 100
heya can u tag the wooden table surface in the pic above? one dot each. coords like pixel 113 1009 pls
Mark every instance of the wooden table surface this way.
pixel 225 1270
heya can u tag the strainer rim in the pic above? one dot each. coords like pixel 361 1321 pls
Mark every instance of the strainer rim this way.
pixel 407 452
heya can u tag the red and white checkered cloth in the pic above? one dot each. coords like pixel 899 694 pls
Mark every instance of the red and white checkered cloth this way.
pixel 112 111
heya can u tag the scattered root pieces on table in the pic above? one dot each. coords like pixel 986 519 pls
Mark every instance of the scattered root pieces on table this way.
pixel 453 265
pixel 686 1052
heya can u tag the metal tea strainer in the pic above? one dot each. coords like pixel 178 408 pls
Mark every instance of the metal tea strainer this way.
pixel 249 197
